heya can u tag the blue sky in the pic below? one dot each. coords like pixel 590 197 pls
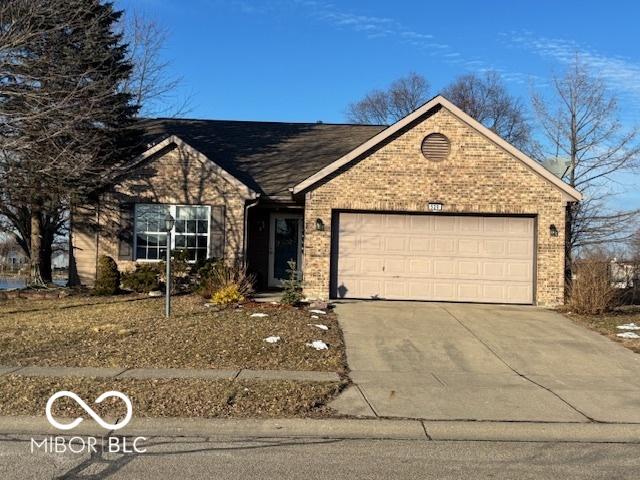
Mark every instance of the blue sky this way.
pixel 305 60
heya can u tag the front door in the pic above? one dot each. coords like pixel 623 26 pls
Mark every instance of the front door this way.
pixel 285 245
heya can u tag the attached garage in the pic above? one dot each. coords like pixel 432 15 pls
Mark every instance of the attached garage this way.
pixel 436 207
pixel 461 258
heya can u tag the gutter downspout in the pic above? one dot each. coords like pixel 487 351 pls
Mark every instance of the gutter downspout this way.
pixel 246 222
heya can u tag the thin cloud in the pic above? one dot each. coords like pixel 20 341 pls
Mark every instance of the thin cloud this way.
pixel 384 27
pixel 376 27
pixel 372 26
pixel 620 73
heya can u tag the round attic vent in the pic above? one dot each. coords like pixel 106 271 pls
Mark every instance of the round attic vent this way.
pixel 436 147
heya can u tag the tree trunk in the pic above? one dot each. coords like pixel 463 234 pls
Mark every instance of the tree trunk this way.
pixel 35 278
pixel 45 260
pixel 46 248
pixel 73 279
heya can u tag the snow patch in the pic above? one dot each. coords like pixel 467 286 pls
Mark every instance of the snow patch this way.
pixel 628 326
pixel 318 345
pixel 628 335
pixel 258 315
pixel 272 339
pixel 315 317
pixel 318 325
pixel 319 312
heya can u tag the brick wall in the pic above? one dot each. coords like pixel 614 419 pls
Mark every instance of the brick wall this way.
pixel 176 177
pixel 478 177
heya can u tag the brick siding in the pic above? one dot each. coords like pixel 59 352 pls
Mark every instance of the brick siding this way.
pixel 478 177
pixel 175 177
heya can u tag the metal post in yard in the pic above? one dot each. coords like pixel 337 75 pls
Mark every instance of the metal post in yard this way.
pixel 169 222
pixel 167 302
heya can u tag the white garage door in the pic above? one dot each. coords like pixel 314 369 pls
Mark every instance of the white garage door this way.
pixel 434 257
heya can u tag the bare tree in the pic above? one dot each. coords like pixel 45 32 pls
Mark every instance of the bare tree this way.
pixel 634 247
pixel 581 128
pixel 388 106
pixel 15 223
pixel 486 99
pixel 151 84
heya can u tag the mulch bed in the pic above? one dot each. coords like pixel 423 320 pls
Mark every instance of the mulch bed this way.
pixel 131 332
pixel 168 397
pixel 606 324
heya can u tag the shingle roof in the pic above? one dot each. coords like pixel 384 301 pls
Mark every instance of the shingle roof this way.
pixel 268 157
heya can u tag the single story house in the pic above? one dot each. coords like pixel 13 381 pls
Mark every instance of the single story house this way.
pixel 13 260
pixel 60 260
pixel 433 207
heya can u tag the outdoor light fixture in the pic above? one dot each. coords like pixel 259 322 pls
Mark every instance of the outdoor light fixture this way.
pixel 319 225
pixel 553 230
pixel 169 222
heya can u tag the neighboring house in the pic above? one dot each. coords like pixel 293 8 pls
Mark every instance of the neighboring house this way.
pixel 558 166
pixel 434 207
pixel 13 260
pixel 624 274
pixel 59 260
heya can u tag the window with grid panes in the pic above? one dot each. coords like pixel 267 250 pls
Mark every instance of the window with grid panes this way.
pixel 190 231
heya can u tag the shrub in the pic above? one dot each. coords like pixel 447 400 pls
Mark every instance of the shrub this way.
pixel 181 271
pixel 207 280
pixel 227 295
pixel 108 277
pixel 204 277
pixel 144 279
pixel 292 293
pixel 592 291
pixel 215 276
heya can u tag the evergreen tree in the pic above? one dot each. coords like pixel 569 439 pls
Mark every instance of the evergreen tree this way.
pixel 66 119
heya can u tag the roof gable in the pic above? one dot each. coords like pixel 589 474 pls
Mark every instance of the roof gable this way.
pixel 174 140
pixel 570 194
pixel 268 157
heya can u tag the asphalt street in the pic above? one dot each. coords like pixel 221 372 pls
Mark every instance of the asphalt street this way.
pixel 293 458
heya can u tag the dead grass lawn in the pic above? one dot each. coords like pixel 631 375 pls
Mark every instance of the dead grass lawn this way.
pixel 606 324
pixel 169 398
pixel 131 332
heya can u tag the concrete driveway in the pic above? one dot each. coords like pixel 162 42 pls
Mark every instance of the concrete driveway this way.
pixel 446 361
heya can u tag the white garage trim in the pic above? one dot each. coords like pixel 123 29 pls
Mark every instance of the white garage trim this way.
pixel 412 256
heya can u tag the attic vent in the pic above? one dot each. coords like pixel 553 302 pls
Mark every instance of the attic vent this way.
pixel 436 147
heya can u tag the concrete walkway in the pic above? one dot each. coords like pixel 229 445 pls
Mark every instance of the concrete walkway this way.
pixel 483 362
pixel 155 373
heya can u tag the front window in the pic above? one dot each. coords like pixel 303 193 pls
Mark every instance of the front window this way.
pixel 190 232
pixel 151 241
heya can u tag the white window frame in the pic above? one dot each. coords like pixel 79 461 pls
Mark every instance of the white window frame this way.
pixel 172 210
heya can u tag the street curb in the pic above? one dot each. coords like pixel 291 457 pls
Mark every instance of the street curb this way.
pixel 224 427
pixel 343 429
pixel 534 432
